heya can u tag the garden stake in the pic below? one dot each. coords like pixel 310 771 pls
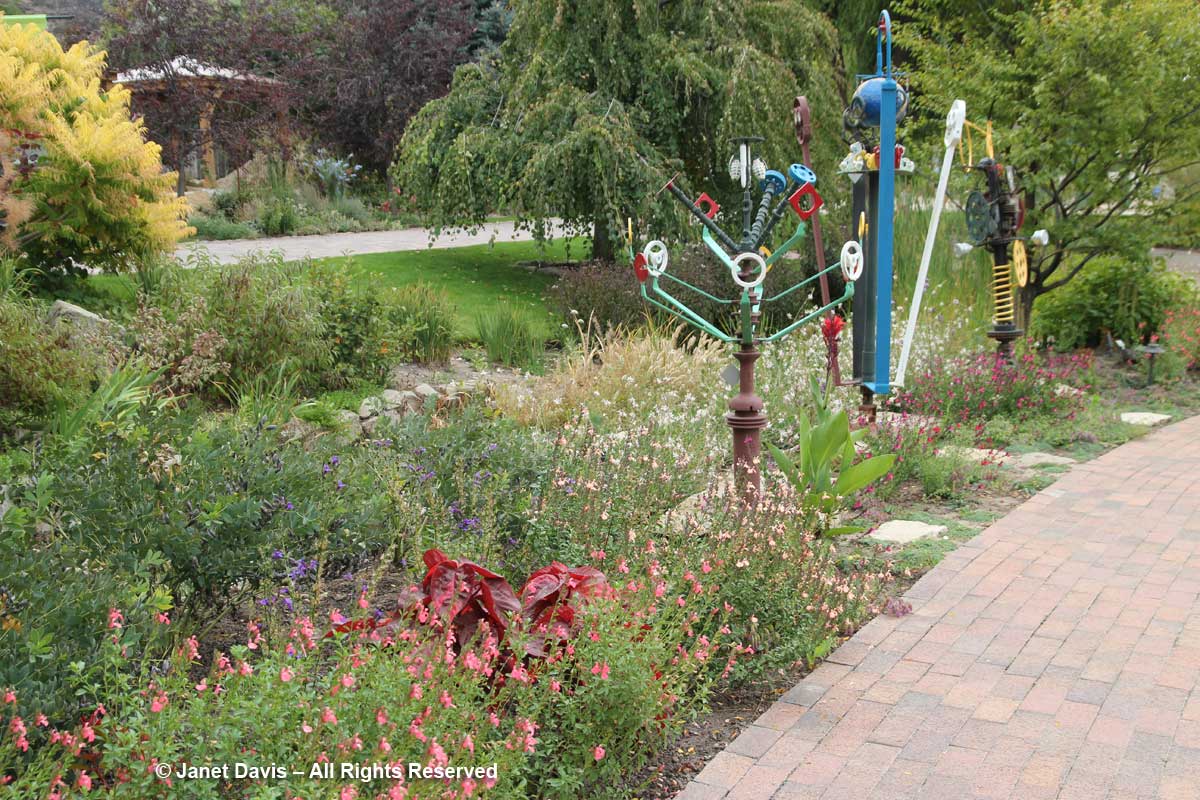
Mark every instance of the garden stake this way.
pixel 748 264
pixel 1152 351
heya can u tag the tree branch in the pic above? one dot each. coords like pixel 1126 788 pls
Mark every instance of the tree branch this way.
pixel 1043 289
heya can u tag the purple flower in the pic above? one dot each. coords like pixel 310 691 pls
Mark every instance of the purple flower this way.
pixel 278 554
pixel 469 524
pixel 341 485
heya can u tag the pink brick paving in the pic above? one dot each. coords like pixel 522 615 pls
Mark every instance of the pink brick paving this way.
pixel 1056 655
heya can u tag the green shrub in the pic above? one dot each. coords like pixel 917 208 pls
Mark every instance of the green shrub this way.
pixel 231 508
pixel 228 204
pixel 54 610
pixel 278 216
pixel 367 334
pixel 42 366
pixel 1181 337
pixel 606 292
pixel 1125 299
pixel 429 317
pixel 237 321
pixel 219 227
pixel 509 337
pixel 352 208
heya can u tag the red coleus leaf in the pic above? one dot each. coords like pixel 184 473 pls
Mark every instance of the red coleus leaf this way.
pixel 546 601
pixel 465 595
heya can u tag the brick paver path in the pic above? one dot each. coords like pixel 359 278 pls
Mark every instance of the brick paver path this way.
pixel 1055 655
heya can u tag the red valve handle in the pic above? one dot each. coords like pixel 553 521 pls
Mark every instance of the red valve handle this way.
pixel 712 207
pixel 815 201
pixel 639 268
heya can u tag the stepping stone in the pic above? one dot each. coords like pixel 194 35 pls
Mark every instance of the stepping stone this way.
pixel 903 531
pixel 1029 460
pixel 1147 418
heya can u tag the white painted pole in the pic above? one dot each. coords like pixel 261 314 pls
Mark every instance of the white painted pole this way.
pixel 954 125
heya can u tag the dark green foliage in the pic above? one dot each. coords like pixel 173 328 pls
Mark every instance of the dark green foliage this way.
pixel 1127 299
pixel 216 501
pixel 590 108
pixel 492 19
pixel 220 227
pixel 54 603
pixel 42 366
pixel 1094 104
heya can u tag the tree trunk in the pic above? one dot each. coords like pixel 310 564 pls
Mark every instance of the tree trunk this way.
pixel 1025 297
pixel 181 178
pixel 602 244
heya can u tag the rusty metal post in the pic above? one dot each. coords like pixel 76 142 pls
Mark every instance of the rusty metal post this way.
pixel 747 420
pixel 802 117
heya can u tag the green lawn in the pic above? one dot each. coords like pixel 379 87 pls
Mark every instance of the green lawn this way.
pixel 476 278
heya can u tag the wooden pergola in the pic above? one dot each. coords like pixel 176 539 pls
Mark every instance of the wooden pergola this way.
pixel 206 78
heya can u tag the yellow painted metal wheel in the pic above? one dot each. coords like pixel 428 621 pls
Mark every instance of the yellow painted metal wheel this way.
pixel 1020 263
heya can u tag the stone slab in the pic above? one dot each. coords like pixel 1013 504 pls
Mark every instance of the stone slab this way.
pixel 903 531
pixel 1147 418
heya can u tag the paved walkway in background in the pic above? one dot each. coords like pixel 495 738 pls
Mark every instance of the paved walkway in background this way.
pixel 1056 655
pixel 1185 261
pixel 339 244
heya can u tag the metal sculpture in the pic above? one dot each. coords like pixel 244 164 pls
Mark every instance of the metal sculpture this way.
pixel 749 262
pixel 878 104
pixel 994 217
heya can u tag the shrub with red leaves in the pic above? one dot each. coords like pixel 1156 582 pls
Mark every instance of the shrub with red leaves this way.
pixel 466 595
pixel 546 602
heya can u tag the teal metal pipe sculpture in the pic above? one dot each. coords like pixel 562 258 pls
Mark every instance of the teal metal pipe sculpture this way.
pixel 749 263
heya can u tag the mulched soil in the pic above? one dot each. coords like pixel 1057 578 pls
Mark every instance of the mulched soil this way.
pixel 730 712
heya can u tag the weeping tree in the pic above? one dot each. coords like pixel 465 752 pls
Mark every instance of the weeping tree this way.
pixel 588 109
pixel 1095 103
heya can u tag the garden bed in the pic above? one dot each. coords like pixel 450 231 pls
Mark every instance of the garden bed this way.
pixel 255 543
